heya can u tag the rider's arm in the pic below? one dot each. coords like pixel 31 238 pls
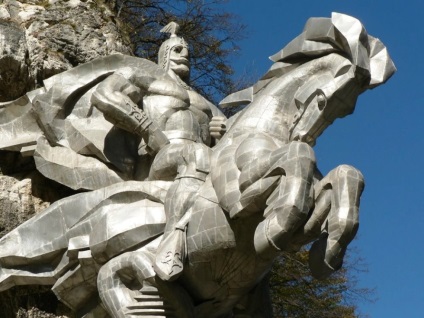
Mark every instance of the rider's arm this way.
pixel 117 98
pixel 218 123
pixel 216 120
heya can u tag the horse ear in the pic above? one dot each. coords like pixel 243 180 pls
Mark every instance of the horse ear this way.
pixel 242 97
pixel 341 34
pixel 317 39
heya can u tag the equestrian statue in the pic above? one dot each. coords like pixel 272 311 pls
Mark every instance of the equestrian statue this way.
pixel 180 212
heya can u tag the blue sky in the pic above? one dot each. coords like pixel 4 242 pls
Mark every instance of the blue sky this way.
pixel 384 138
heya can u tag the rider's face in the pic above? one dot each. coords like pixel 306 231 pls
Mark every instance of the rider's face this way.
pixel 178 61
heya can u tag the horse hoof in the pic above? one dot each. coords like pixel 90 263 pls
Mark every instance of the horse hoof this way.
pixel 318 265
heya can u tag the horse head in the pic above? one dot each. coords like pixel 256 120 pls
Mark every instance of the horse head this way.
pixel 318 76
pixel 353 62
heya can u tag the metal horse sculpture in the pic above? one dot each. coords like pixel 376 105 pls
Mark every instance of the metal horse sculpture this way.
pixel 264 195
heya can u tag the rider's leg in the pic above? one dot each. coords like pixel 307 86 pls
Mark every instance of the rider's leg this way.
pixel 171 253
pixel 192 171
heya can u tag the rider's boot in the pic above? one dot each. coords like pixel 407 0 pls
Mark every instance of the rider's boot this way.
pixel 170 256
pixel 172 251
pixel 192 172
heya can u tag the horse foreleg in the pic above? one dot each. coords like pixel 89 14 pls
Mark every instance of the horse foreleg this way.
pixel 326 254
pixel 313 227
pixel 293 201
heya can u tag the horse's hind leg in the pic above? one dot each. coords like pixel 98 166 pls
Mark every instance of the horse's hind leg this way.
pixel 326 254
pixel 128 287
pixel 116 277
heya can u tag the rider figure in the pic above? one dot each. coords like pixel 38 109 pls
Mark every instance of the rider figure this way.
pixel 188 152
pixel 174 124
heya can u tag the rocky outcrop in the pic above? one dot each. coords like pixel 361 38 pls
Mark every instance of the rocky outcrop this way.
pixel 14 73
pixel 41 38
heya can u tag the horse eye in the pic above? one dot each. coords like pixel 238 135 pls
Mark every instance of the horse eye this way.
pixel 177 49
pixel 322 101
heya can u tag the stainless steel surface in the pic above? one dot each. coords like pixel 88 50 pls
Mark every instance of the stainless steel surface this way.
pixel 187 210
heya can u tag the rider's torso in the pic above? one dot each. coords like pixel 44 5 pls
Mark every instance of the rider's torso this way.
pixel 179 121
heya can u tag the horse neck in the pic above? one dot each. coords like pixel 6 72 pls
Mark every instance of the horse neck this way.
pixel 271 111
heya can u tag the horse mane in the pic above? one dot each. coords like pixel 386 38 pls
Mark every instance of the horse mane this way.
pixel 341 34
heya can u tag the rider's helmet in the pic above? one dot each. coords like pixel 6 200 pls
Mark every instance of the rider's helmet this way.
pixel 168 45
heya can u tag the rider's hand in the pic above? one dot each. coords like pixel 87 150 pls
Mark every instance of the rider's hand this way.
pixel 217 127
